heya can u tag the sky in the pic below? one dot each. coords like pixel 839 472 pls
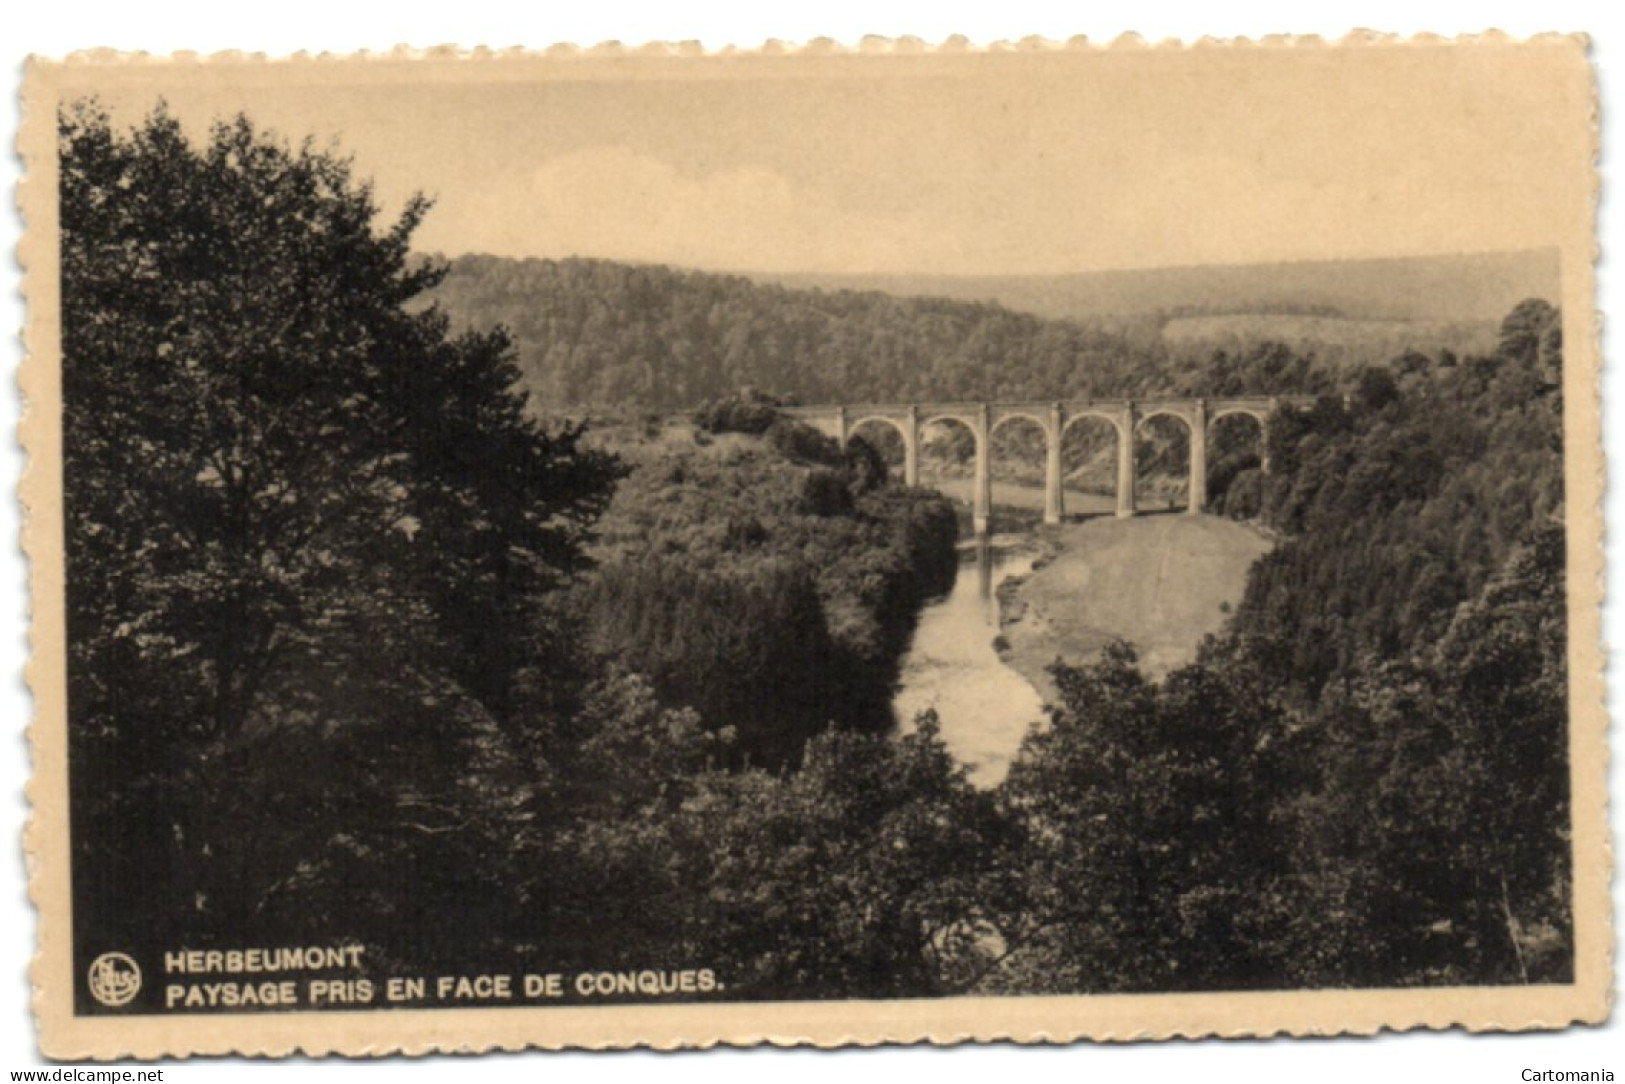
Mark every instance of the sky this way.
pixel 974 165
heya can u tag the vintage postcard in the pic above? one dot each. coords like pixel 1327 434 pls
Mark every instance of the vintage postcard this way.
pixel 639 547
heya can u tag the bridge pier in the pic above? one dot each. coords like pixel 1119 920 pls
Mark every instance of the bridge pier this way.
pixel 982 485
pixel 1198 482
pixel 911 447
pixel 1054 495
pixel 1264 435
pixel 1125 462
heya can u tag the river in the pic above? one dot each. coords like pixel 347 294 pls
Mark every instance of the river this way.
pixel 985 708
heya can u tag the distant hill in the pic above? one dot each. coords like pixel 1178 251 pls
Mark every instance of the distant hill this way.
pixel 1332 337
pixel 602 334
pixel 1468 287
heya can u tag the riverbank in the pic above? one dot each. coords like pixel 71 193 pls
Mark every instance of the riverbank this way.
pixel 768 583
pixel 1161 582
pixel 1017 505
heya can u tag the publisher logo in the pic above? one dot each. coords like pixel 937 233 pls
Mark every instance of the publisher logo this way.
pixel 114 979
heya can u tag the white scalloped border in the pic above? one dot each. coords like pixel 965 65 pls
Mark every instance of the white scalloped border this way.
pixel 414 1033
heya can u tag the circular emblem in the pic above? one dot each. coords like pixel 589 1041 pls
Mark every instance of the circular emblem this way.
pixel 114 979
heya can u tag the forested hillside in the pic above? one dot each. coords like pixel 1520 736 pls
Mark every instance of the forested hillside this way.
pixel 1462 287
pixel 593 332
pixel 611 335
pixel 1406 505
pixel 1365 780
pixel 1337 343
pixel 770 583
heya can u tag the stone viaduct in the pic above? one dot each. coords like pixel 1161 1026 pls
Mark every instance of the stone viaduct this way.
pixel 984 419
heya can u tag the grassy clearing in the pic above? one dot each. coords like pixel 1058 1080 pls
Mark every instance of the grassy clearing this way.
pixel 1161 582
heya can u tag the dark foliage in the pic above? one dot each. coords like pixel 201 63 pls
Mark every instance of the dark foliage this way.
pixel 1146 813
pixel 359 650
pixel 747 413
pixel 308 538
pixel 772 591
pixel 1365 782
pixel 597 332
pixel 1400 508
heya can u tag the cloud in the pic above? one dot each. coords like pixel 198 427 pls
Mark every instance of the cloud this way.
pixel 616 203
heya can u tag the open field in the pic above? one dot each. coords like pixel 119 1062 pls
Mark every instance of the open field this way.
pixel 1161 582
pixel 1477 286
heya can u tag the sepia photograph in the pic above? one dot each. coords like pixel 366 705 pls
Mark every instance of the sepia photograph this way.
pixel 648 547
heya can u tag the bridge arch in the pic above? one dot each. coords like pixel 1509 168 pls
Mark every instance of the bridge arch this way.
pixel 908 434
pixel 1171 438
pixel 1112 418
pixel 1017 439
pixel 1261 410
pixel 1092 455
pixel 1238 442
pixel 1020 416
pixel 1237 419
pixel 1258 414
pixel 948 417
pixel 1165 412
pixel 895 424
pixel 932 427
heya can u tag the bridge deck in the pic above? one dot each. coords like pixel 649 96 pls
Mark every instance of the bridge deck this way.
pixel 1262 402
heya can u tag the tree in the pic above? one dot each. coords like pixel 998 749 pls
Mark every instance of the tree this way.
pixel 856 876
pixel 1145 813
pixel 294 507
pixel 1526 327
pixel 1376 389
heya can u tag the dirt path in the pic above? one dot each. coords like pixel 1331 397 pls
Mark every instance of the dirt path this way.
pixel 1160 582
